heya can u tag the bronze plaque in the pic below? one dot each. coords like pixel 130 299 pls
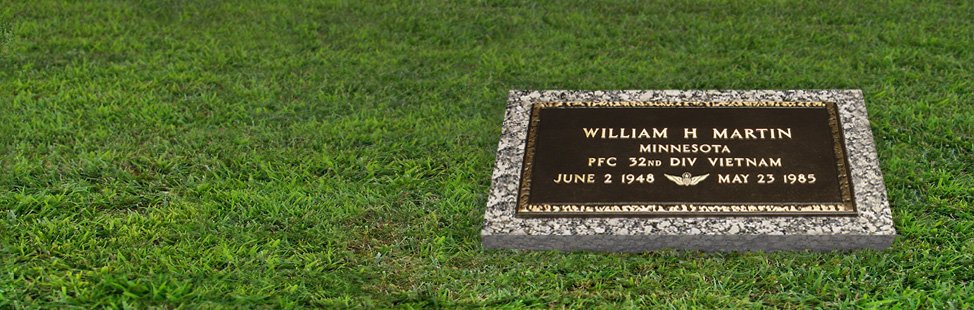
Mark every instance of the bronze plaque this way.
pixel 684 159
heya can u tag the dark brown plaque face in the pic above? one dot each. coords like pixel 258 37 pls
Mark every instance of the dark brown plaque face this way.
pixel 684 159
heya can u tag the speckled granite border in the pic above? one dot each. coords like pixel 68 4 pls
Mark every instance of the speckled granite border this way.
pixel 871 228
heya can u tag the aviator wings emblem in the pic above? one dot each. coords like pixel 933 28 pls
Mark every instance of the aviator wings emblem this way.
pixel 686 179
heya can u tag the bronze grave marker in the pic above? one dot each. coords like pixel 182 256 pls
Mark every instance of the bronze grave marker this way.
pixel 712 170
pixel 585 159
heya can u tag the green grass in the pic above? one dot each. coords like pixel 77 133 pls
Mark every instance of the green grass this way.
pixel 308 154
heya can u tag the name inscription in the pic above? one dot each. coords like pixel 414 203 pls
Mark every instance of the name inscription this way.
pixel 684 158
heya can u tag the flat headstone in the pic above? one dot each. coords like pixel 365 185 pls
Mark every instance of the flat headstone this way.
pixel 703 170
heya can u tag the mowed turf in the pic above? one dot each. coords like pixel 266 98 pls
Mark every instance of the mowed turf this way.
pixel 321 154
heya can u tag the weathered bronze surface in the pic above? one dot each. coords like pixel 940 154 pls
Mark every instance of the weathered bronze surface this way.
pixel 685 159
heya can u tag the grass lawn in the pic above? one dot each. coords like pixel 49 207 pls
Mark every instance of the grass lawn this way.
pixel 278 154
